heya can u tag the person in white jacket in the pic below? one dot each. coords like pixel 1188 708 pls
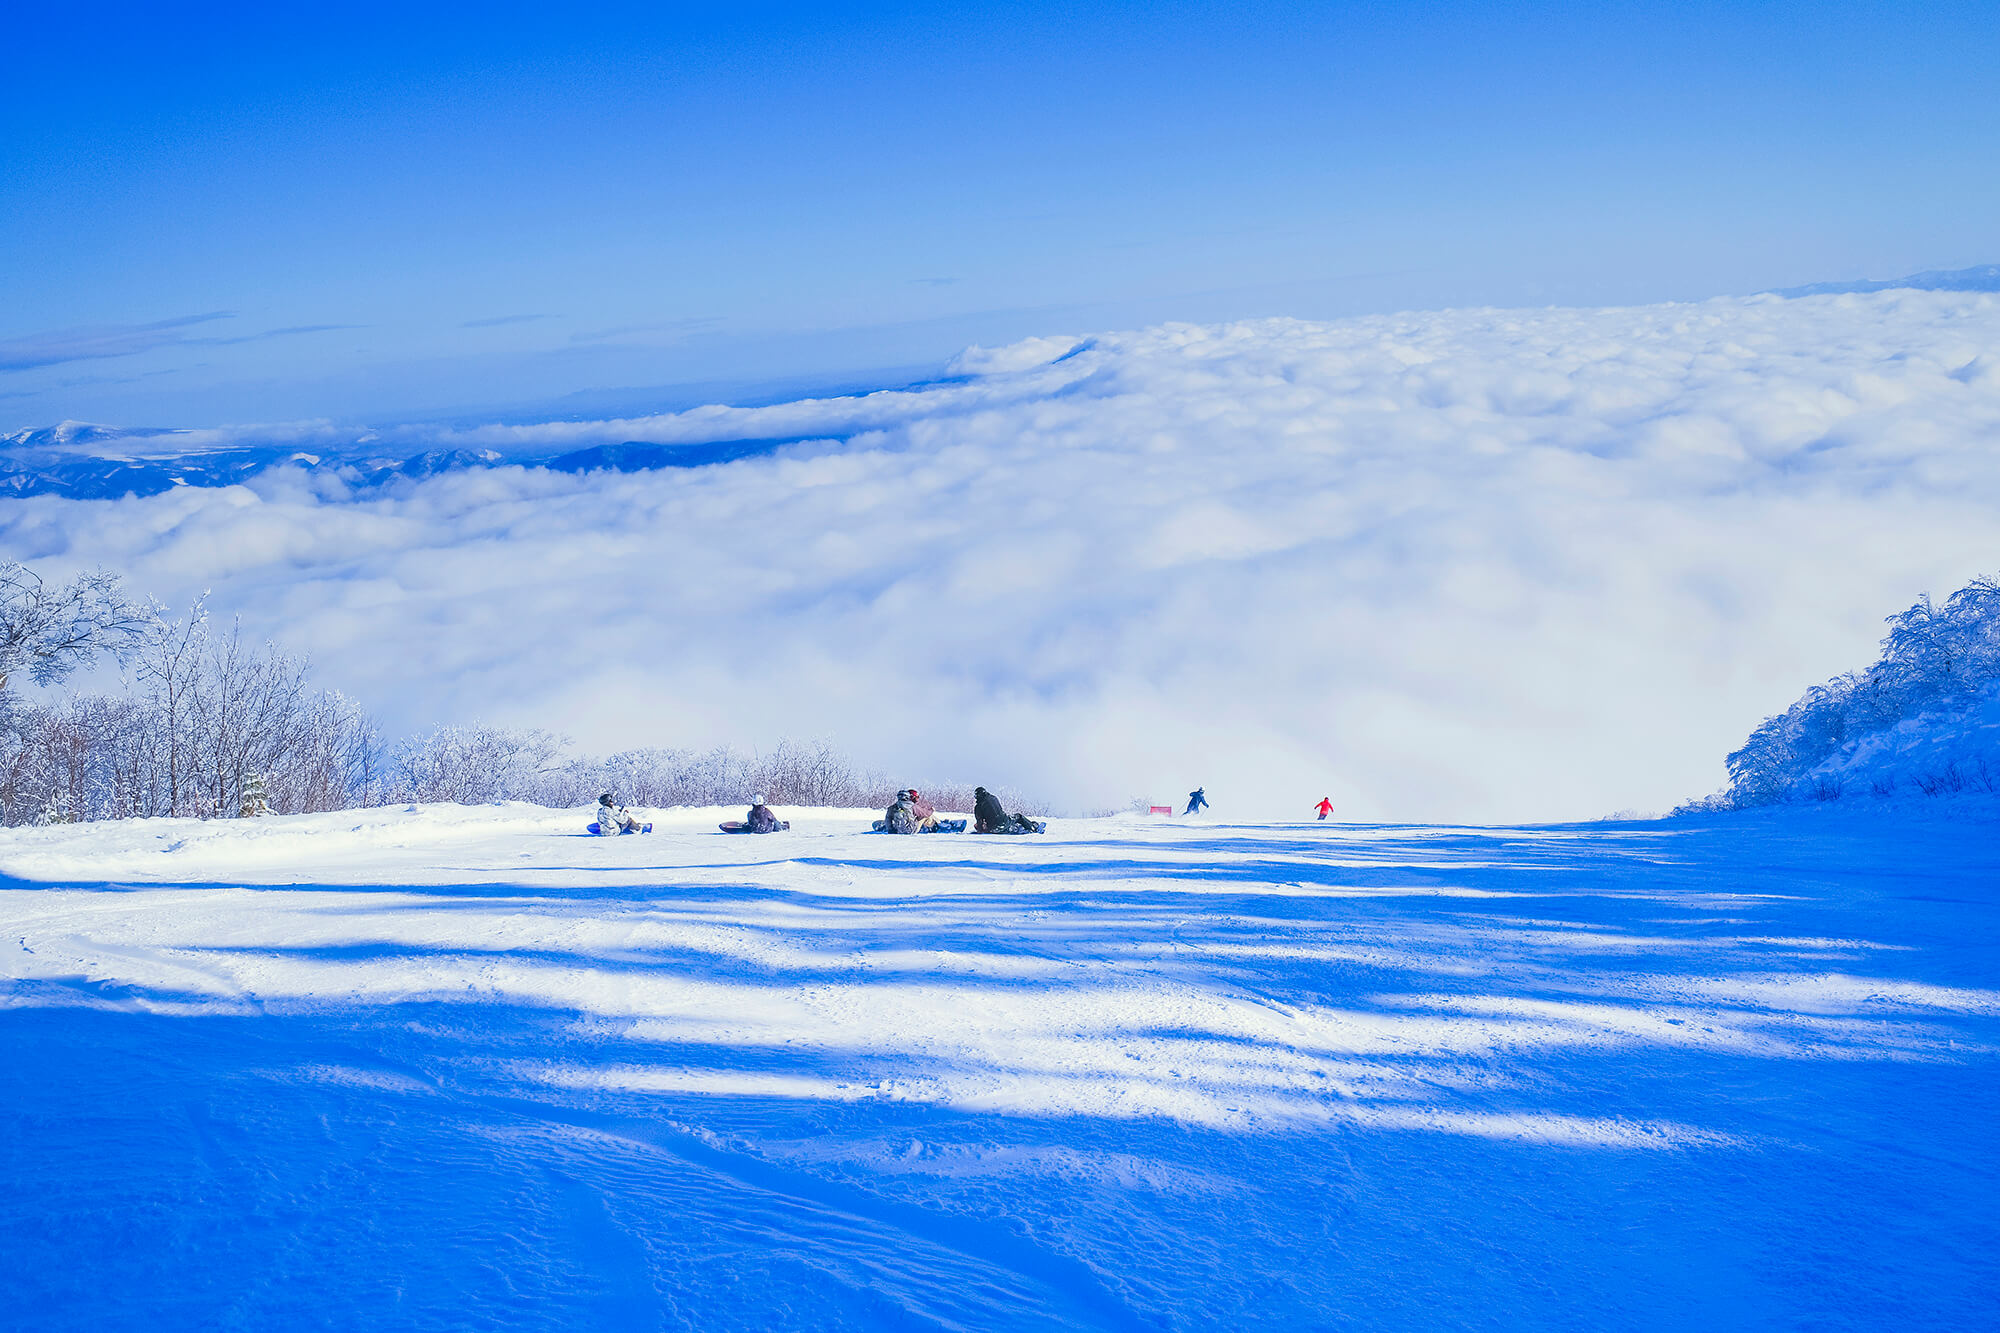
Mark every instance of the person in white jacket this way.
pixel 613 818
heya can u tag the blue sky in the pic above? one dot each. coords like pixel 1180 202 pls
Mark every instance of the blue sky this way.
pixel 365 213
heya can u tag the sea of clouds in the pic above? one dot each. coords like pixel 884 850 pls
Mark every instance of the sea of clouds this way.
pixel 1475 564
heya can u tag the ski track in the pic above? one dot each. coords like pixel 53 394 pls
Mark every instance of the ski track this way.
pixel 438 1067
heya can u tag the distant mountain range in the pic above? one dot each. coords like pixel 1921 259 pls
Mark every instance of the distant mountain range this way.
pixel 93 462
pixel 1985 278
pixel 85 461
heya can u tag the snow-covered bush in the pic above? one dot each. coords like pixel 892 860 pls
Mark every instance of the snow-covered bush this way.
pixel 211 725
pixel 49 632
pixel 1923 720
pixel 471 765
pixel 202 714
pixel 813 773
pixel 256 802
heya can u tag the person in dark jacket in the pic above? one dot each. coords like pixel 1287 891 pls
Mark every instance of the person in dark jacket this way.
pixel 760 819
pixel 989 816
pixel 1196 801
pixel 900 817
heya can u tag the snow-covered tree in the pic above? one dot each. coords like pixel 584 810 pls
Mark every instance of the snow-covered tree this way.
pixel 475 764
pixel 48 632
pixel 1939 665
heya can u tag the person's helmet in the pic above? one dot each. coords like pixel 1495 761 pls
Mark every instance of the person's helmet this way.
pixel 913 793
pixel 604 799
pixel 757 800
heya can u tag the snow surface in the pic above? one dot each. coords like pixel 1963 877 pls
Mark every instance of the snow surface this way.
pixel 436 1067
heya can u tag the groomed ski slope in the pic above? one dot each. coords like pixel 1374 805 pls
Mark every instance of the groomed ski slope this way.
pixel 443 1067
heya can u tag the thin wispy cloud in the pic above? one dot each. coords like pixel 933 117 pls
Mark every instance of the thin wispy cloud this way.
pixel 696 324
pixel 94 342
pixel 58 347
pixel 496 321
pixel 290 331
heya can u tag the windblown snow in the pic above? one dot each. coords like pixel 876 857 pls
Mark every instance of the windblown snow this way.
pixel 1472 564
pixel 442 1066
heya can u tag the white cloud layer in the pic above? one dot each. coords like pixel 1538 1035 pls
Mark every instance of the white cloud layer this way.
pixel 1472 564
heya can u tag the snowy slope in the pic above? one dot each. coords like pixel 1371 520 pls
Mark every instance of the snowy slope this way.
pixel 440 1067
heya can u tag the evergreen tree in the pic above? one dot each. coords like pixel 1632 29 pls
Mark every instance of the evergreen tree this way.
pixel 254 801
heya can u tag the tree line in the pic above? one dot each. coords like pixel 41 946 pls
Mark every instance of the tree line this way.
pixel 1938 660
pixel 211 724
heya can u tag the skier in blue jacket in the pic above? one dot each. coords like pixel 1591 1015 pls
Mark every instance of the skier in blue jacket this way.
pixel 1196 801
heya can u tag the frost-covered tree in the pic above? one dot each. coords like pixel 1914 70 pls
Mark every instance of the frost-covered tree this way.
pixel 1938 661
pixel 471 765
pixel 49 631
pixel 255 803
pixel 212 724
pixel 203 714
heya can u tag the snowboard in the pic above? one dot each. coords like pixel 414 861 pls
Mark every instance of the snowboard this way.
pixel 596 832
pixel 738 826
pixel 943 826
pixel 1015 830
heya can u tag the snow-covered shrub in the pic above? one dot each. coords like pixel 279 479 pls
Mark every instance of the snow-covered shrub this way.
pixel 49 632
pixel 211 725
pixel 202 713
pixel 471 765
pixel 812 773
pixel 1923 720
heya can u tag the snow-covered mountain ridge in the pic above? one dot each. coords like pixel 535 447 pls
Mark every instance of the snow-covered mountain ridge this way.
pixel 91 462
pixel 85 460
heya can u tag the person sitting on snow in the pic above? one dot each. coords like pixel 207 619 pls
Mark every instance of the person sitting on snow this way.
pixel 760 819
pixel 614 818
pixel 989 816
pixel 926 813
pixel 900 817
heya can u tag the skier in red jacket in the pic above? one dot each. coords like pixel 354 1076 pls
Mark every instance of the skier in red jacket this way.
pixel 1325 806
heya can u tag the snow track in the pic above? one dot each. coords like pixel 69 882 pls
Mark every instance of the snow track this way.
pixel 438 1067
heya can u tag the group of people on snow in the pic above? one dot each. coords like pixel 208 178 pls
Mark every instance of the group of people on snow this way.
pixel 910 813
pixel 1198 801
